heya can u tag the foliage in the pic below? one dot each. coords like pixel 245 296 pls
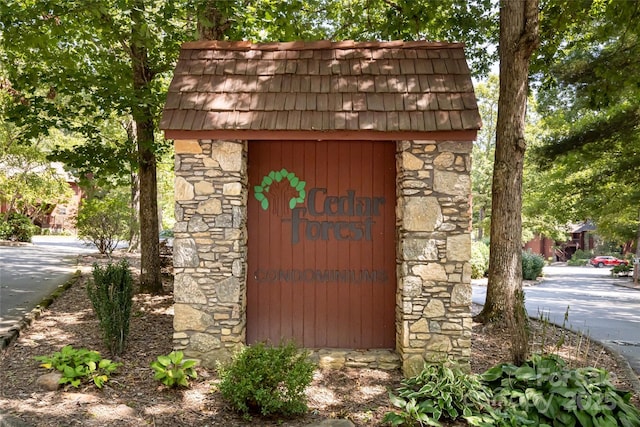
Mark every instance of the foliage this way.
pixel 438 392
pixel 543 391
pixel 621 269
pixel 173 370
pixel 103 221
pixel 17 227
pixel 77 365
pixel 111 294
pixel 589 96
pixel 269 380
pixel 532 265
pixel 479 260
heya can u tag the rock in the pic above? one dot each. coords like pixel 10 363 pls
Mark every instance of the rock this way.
pixel 50 381
pixel 333 423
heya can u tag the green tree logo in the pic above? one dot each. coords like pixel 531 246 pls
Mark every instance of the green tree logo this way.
pixel 280 190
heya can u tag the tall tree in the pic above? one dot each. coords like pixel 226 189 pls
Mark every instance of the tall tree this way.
pixel 590 97
pixel 93 59
pixel 505 299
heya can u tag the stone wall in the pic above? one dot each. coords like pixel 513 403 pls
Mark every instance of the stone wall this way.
pixel 433 319
pixel 210 248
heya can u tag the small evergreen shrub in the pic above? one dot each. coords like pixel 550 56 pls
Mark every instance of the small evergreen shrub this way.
pixel 268 380
pixel 111 294
pixel 532 265
pixel 78 365
pixel 479 260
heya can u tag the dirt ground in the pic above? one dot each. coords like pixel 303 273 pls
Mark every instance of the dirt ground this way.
pixel 133 398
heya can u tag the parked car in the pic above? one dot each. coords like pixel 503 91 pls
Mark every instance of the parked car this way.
pixel 609 261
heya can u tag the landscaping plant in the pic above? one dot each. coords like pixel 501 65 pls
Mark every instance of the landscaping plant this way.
pixel 77 365
pixel 269 380
pixel 532 265
pixel 544 392
pixel 173 370
pixel 439 391
pixel 479 260
pixel 111 294
pixel 17 227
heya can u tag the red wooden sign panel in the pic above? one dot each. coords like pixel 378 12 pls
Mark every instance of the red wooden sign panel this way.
pixel 321 229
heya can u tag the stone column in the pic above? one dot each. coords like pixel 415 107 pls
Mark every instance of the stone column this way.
pixel 434 248
pixel 210 247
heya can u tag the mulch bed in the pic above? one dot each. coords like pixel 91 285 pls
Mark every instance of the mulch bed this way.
pixel 132 397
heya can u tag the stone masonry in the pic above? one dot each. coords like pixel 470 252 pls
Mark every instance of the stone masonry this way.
pixel 210 248
pixel 433 320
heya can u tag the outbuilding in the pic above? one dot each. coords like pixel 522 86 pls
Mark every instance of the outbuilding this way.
pixel 323 196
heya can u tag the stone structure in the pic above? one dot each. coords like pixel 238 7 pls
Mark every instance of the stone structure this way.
pixel 219 101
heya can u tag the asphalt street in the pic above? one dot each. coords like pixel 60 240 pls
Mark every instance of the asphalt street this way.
pixel 32 272
pixel 598 306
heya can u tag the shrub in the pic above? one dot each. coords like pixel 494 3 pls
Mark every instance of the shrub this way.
pixel 543 391
pixel 103 222
pixel 173 371
pixel 479 260
pixel 269 380
pixel 111 294
pixel 77 365
pixel 532 265
pixel 17 227
pixel 439 391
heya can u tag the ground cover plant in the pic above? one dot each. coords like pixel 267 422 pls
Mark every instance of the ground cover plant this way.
pixel 79 365
pixel 173 370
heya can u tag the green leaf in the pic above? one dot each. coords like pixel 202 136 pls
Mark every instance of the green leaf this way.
pixel 294 181
pixel 264 204
pixel 300 185
pixel 257 189
pixel 164 360
pixel 292 203
pixel 259 196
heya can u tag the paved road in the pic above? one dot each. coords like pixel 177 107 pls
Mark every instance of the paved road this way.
pixel 598 306
pixel 30 273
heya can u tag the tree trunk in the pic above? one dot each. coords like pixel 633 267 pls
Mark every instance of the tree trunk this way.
pixel 505 299
pixel 134 197
pixel 211 22
pixel 637 257
pixel 150 280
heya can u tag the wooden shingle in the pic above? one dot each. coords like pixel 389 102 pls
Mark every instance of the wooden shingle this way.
pixel 321 86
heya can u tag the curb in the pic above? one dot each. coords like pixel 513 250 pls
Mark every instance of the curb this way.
pixel 14 332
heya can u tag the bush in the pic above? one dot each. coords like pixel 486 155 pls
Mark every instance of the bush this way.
pixel 437 392
pixel 111 294
pixel 103 222
pixel 532 265
pixel 268 380
pixel 543 391
pixel 18 227
pixel 479 260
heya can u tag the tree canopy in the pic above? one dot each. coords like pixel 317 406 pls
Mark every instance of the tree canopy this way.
pixel 589 96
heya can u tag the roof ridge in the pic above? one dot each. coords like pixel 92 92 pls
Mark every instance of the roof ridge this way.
pixel 318 44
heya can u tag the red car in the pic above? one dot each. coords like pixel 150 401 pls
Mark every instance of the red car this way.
pixel 610 261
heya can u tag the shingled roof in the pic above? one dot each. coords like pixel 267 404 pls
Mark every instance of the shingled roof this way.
pixel 410 89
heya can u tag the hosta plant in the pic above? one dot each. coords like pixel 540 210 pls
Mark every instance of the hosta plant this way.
pixel 78 365
pixel 173 370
